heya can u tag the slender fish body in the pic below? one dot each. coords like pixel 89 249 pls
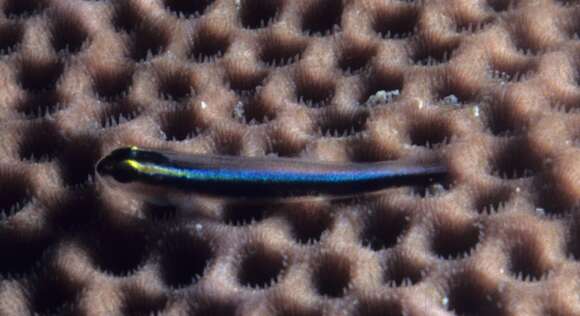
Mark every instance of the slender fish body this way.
pixel 156 174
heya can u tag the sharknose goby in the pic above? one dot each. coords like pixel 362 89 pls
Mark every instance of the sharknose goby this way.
pixel 156 174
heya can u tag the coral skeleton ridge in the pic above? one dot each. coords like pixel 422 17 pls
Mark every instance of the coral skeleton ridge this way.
pixel 489 87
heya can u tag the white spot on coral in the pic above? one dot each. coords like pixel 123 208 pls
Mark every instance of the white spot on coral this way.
pixel 203 105
pixel 445 301
pixel 419 103
pixel 382 96
pixel 451 99
pixel 475 110
pixel 239 110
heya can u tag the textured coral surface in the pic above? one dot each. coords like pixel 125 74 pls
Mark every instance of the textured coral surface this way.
pixel 490 87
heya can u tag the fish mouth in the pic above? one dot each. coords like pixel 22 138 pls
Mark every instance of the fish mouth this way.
pixel 106 166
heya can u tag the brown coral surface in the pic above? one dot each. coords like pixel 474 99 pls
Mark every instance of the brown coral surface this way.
pixel 490 87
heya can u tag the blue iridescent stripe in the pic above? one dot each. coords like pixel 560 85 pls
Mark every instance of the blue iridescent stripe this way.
pixel 283 176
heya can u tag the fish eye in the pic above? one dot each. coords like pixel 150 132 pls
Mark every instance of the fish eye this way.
pixel 123 172
pixel 116 168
